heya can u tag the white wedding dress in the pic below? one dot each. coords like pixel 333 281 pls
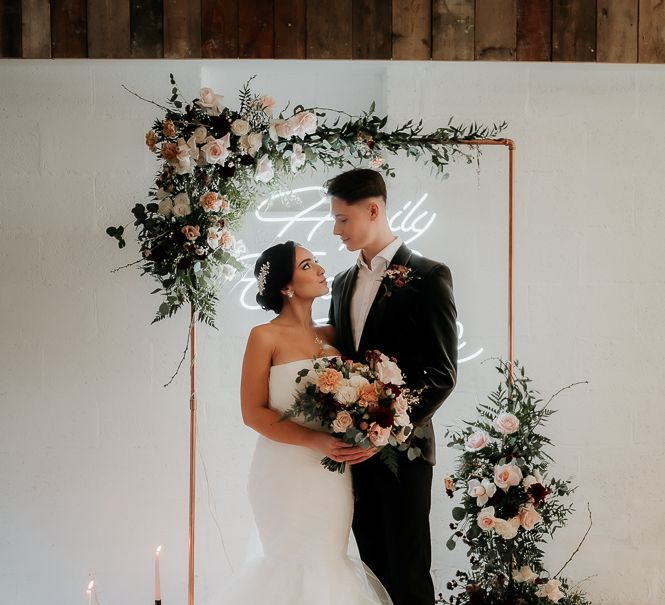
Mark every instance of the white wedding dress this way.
pixel 303 513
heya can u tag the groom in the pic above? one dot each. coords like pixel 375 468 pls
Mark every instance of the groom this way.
pixel 410 316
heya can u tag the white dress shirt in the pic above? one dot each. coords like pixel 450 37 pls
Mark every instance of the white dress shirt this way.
pixel 367 286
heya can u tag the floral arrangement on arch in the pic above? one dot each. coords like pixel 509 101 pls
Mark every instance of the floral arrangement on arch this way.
pixel 216 161
pixel 510 505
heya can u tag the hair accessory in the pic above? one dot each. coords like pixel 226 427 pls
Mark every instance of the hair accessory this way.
pixel 263 276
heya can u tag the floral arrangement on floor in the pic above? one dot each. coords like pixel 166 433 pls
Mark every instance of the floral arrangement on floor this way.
pixel 361 404
pixel 217 161
pixel 510 506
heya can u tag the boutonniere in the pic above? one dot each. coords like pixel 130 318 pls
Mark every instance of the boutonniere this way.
pixel 397 276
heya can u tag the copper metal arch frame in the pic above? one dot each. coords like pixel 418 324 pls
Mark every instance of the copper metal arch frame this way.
pixel 192 367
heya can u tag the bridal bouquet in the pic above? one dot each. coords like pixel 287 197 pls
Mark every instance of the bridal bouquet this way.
pixel 361 404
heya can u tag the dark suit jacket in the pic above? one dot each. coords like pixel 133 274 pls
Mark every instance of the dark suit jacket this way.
pixel 415 324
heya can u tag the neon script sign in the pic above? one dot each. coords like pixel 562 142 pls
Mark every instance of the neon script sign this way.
pixel 411 221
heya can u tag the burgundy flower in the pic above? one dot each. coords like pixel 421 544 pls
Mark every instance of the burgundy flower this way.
pixel 538 492
pixel 382 416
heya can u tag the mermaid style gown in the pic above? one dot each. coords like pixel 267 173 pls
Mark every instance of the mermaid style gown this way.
pixel 303 513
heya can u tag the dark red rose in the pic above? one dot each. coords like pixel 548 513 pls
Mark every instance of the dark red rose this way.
pixel 382 416
pixel 538 492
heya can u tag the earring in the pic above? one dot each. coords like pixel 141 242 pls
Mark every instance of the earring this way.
pixel 290 293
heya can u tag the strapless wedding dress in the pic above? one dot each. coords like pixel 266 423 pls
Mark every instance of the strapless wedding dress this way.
pixel 303 513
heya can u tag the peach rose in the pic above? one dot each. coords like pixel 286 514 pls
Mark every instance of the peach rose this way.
pixel 507 475
pixel 342 422
pixel 166 207
pixel 486 519
pixel 376 163
pixel 267 104
pixel 329 380
pixel 551 590
pixel 151 139
pixel 168 128
pixel 170 152
pixel 367 395
pixel 476 441
pixel 226 240
pixel 191 232
pixel 529 516
pixel 211 201
pixel 506 423
pixel 378 435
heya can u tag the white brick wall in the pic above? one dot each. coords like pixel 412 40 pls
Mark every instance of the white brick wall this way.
pixel 94 450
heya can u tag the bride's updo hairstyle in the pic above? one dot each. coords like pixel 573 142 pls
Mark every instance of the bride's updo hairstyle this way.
pixel 273 271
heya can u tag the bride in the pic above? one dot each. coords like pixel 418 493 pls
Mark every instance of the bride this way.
pixel 303 512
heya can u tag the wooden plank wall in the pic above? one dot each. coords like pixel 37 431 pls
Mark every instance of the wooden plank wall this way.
pixel 618 31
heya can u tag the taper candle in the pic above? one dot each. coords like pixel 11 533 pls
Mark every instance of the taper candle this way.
pixel 158 590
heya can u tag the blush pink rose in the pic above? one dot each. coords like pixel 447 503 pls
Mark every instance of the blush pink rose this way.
pixel 507 475
pixel 211 201
pixel 476 441
pixel 378 435
pixel 486 519
pixel 506 423
pixel 302 123
pixel 529 516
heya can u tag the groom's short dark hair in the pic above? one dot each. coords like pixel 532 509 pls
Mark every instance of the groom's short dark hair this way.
pixel 357 184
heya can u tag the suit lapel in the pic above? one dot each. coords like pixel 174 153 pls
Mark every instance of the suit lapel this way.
pixel 376 311
pixel 345 329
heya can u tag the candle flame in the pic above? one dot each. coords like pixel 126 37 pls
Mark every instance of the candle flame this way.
pixel 92 583
pixel 159 548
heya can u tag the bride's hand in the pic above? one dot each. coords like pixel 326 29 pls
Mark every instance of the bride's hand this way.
pixel 339 451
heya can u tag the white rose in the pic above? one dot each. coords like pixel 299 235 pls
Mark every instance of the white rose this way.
pixel 211 102
pixel 264 170
pixel 507 475
pixel 213 238
pixel 551 590
pixel 507 529
pixel 506 423
pixel 482 492
pixel 240 127
pixel 342 422
pixel 200 134
pixel 166 207
pixel 346 395
pixel 525 574
pixel 402 420
pixel 476 441
pixel 181 205
pixel 400 406
pixel 297 157
pixel 486 519
pixel 388 371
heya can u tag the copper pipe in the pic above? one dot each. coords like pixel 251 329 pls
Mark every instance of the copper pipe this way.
pixel 192 453
pixel 511 231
